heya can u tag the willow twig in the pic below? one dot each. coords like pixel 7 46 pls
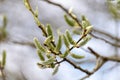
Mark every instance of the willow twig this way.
pixel 101 60
pixel 78 22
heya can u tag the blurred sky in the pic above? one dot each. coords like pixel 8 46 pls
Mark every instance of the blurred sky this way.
pixel 22 59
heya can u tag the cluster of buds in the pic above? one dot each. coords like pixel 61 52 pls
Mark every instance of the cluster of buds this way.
pixel 49 52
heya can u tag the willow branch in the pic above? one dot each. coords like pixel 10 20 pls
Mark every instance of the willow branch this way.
pixel 105 58
pixel 41 26
pixel 113 44
pixel 92 51
pixel 99 62
pixel 78 22
pixel 100 58
pixel 2 72
pixel 53 43
pixel 106 34
pixel 78 67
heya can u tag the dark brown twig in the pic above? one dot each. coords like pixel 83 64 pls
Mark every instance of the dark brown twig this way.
pixel 113 44
pixel 2 72
pixel 106 34
pixel 101 60
pixel 105 58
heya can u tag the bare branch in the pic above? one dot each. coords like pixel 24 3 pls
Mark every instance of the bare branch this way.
pixel 100 62
pixel 113 44
pixel 106 34
pixel 78 67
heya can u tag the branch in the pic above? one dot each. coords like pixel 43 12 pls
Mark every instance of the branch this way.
pixel 41 26
pixel 67 60
pixel 78 67
pixel 100 59
pixel 100 62
pixel 2 71
pixel 113 44
pixel 3 74
pixel 106 34
pixel 78 22
pixel 53 43
pixel 105 58
pixel 97 55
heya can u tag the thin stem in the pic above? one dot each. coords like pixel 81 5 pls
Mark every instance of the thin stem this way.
pixel 77 67
pixel 105 58
pixel 3 74
pixel 113 44
pixel 100 63
pixel 106 34
pixel 40 25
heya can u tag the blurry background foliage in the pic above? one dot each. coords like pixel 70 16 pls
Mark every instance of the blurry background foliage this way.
pixel 3 32
pixel 114 7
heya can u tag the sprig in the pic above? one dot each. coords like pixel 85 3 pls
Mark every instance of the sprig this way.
pixel 51 49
